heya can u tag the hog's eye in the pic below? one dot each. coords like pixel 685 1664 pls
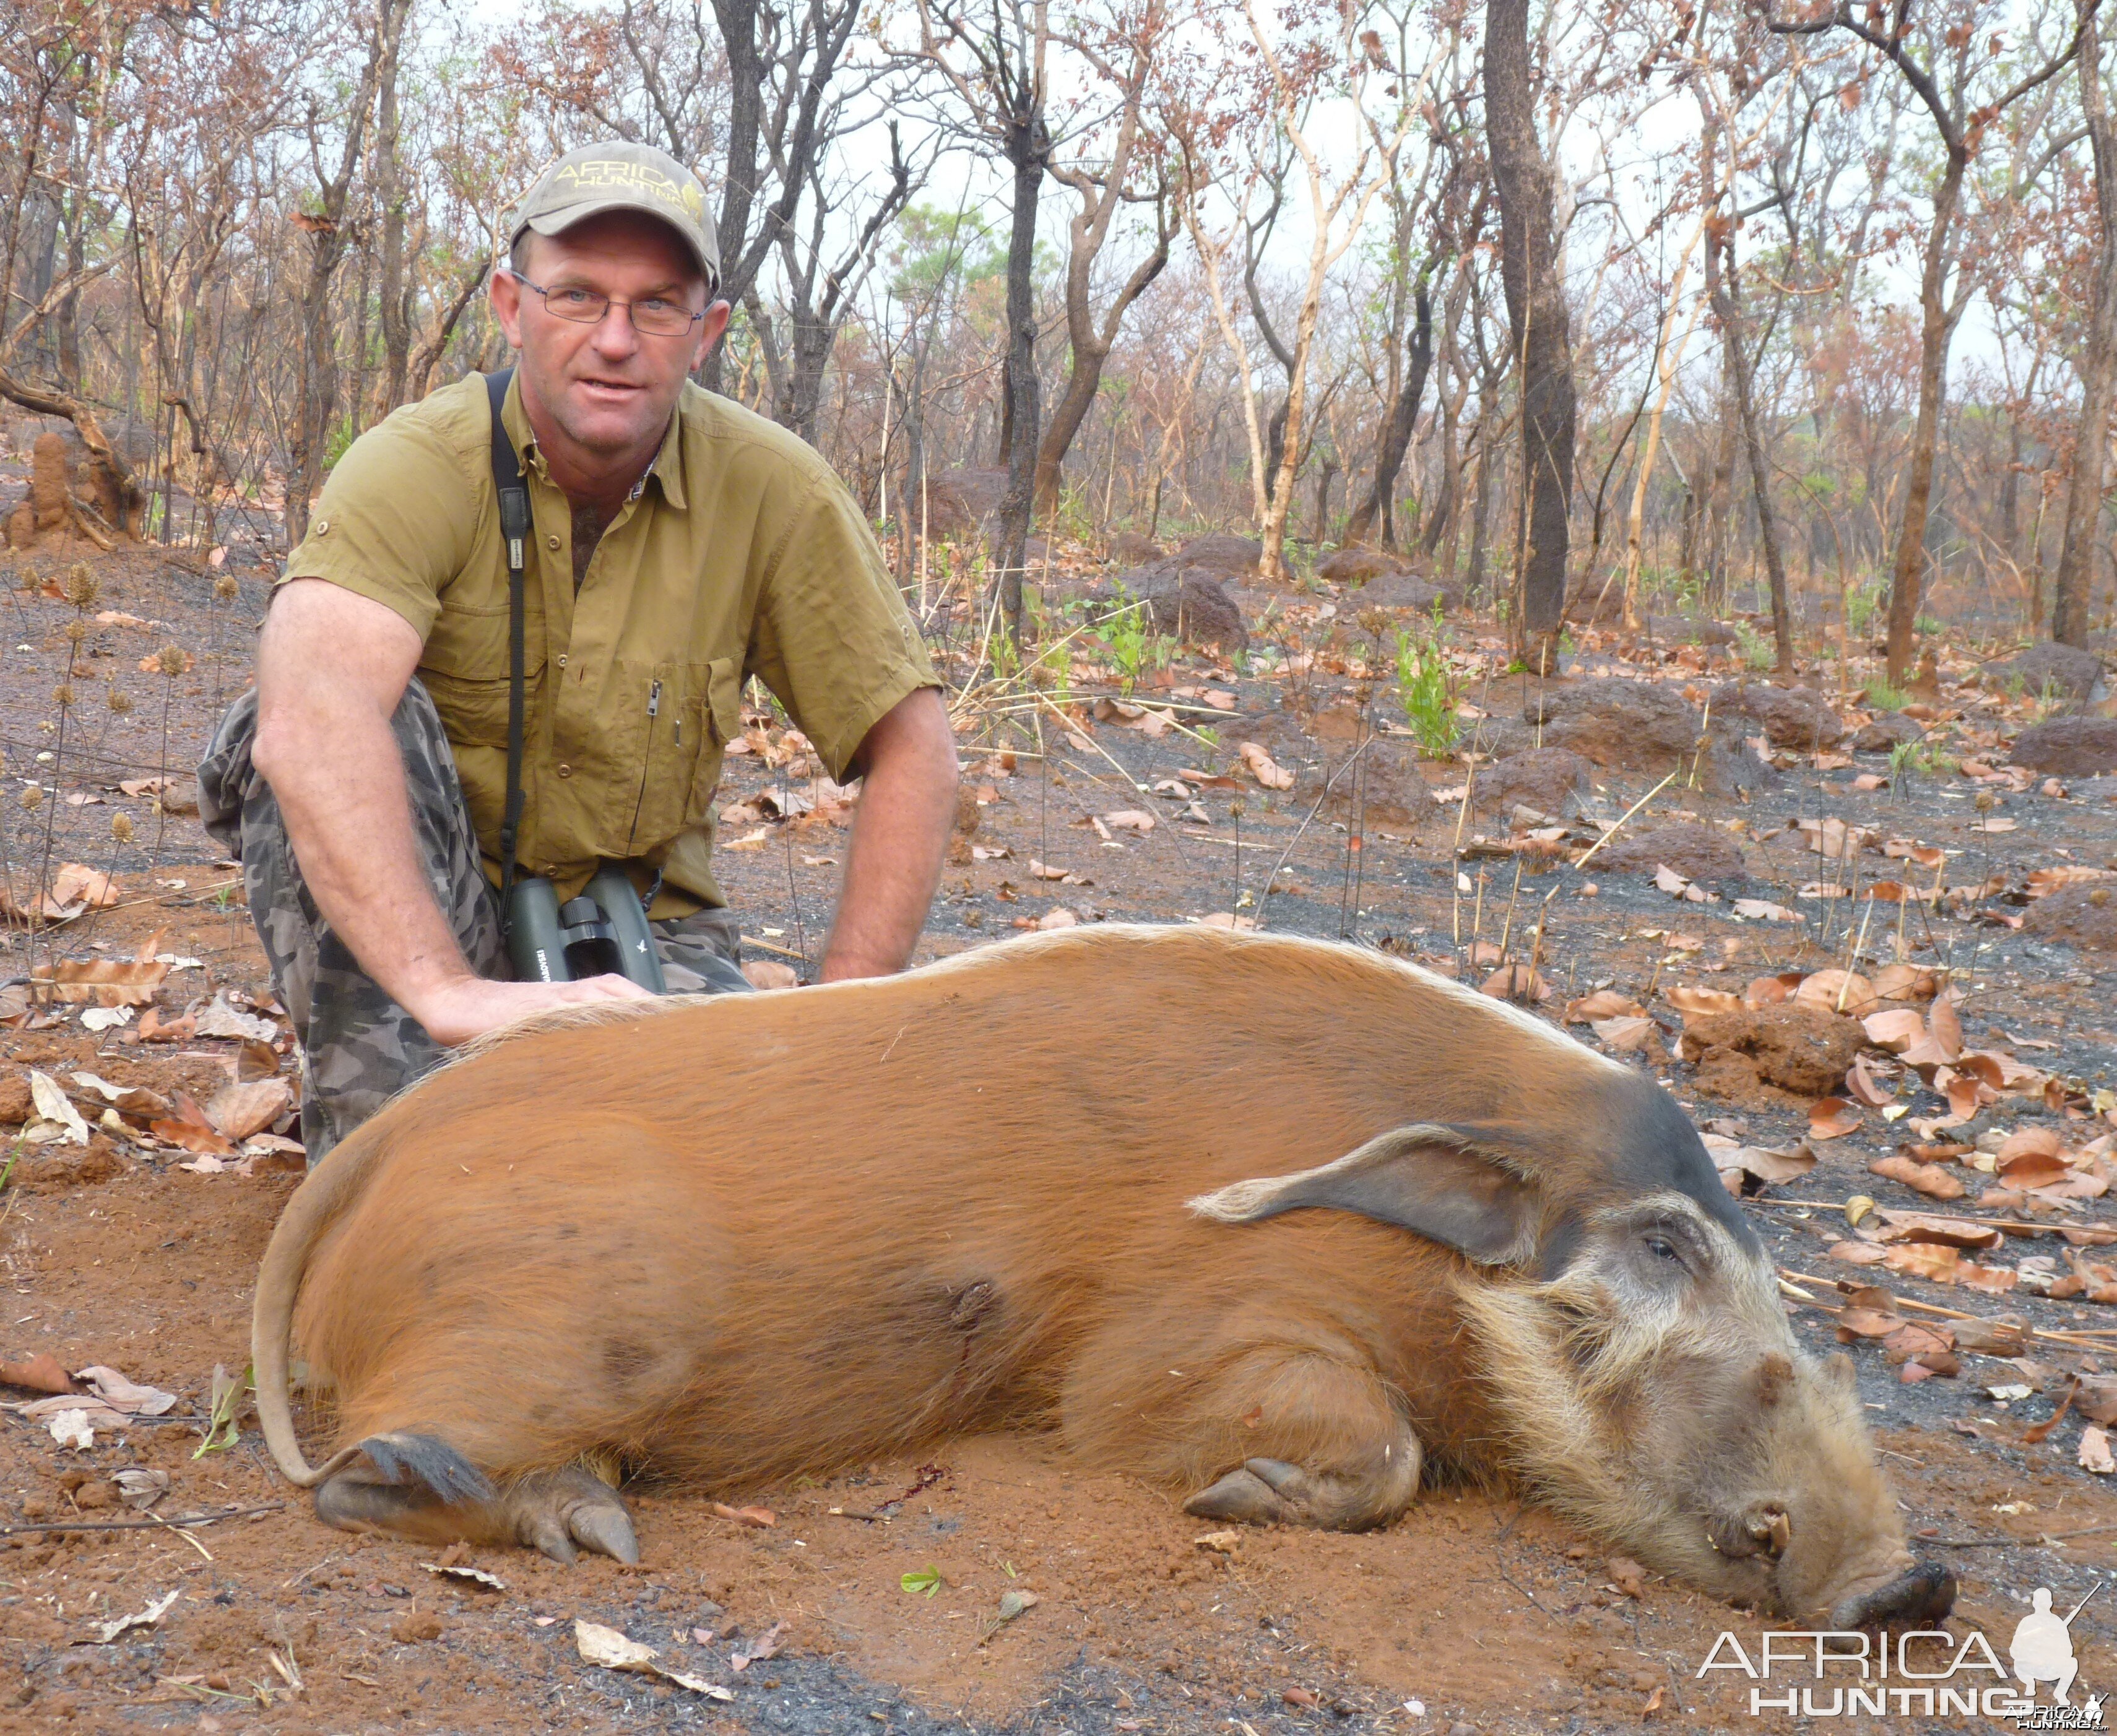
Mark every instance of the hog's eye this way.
pixel 1662 1248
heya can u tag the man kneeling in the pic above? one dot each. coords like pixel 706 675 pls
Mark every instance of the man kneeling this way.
pixel 679 545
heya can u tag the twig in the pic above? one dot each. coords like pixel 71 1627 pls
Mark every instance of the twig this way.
pixel 139 1525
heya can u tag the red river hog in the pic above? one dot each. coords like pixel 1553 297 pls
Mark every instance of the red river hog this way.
pixel 1284 1228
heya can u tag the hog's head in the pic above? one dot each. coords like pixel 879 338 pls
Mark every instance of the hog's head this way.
pixel 1627 1323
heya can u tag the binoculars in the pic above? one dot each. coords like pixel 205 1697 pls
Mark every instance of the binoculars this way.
pixel 602 932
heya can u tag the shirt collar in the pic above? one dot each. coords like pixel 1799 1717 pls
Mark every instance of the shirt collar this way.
pixel 667 468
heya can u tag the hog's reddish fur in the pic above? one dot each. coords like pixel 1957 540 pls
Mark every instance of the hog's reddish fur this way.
pixel 746 1238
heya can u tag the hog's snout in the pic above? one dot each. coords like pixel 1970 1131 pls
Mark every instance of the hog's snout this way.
pixel 1925 1594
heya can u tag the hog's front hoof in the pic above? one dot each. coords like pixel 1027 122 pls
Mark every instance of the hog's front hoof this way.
pixel 1925 1594
pixel 564 1511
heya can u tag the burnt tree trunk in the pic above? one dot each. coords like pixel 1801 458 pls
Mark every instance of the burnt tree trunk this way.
pixel 1937 328
pixel 1403 417
pixel 1028 148
pixel 1723 289
pixel 316 392
pixel 2083 493
pixel 1538 325
pixel 393 292
pixel 1326 474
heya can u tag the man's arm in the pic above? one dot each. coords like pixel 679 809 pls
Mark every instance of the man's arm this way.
pixel 907 763
pixel 331 667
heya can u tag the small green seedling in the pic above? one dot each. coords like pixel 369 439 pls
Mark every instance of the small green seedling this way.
pixel 923 1581
pixel 222 1430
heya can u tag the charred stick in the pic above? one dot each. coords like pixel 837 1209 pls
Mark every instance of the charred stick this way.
pixel 149 1523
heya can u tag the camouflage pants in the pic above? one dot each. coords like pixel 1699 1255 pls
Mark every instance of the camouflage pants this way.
pixel 358 1047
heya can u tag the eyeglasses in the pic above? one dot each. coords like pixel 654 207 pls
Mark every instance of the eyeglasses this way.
pixel 653 316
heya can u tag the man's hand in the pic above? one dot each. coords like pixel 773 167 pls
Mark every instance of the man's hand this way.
pixel 331 667
pixel 900 835
pixel 470 1005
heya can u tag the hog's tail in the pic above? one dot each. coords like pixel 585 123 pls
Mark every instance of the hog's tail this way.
pixel 315 1206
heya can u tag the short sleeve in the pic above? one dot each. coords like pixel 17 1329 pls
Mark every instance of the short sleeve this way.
pixel 832 636
pixel 398 518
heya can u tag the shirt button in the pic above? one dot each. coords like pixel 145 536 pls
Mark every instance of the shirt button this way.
pixel 562 659
pixel 565 771
pixel 551 542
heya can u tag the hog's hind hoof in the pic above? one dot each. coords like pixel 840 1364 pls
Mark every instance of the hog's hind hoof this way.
pixel 1238 1496
pixel 1262 1492
pixel 561 1513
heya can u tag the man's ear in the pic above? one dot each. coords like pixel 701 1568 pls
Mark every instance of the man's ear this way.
pixel 1433 1180
pixel 506 296
pixel 718 312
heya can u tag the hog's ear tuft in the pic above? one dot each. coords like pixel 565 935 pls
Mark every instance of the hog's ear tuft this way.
pixel 1432 1181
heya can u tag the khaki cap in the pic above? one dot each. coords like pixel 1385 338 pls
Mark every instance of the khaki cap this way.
pixel 621 177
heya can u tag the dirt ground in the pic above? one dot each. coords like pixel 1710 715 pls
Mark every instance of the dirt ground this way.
pixel 1474 1613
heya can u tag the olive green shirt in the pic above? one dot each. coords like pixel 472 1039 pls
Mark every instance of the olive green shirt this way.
pixel 742 554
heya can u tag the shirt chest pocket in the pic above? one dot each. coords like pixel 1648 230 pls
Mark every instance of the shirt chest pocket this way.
pixel 464 667
pixel 719 709
pixel 671 743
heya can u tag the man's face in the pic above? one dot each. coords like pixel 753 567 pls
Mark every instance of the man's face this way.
pixel 608 387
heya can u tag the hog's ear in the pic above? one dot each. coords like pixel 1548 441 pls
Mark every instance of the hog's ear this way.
pixel 1433 1180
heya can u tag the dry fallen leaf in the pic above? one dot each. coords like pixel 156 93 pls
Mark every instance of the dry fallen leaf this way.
pixel 1954 1232
pixel 1264 768
pixel 1628 1036
pixel 75 880
pixel 1130 819
pixel 1924 1259
pixel 1605 1003
pixel 613 1651
pixel 42 1373
pixel 2095 1455
pixel 1770 991
pixel 126 1396
pixel 1864 1088
pixel 1763 910
pixel 98 982
pixel 53 1106
pixel 759 1518
pixel 1929 1179
pixel 765 1645
pixel 769 974
pixel 190 1129
pixel 1517 982
pixel 1907 983
pixel 1765 1163
pixel 1688 1000
pixel 2040 1141
pixel 217 1019
pixel 236 1111
pixel 1835 991
pixel 1831 1117
pixel 2034 1169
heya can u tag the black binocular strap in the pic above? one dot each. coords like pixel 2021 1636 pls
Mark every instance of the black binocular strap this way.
pixel 512 494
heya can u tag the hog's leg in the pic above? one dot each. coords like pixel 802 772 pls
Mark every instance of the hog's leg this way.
pixel 558 1511
pixel 1313 1437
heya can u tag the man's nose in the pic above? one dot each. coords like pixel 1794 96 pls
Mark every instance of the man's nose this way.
pixel 614 335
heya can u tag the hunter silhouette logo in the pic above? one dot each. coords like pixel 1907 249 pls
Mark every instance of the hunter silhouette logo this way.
pixel 2041 1650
